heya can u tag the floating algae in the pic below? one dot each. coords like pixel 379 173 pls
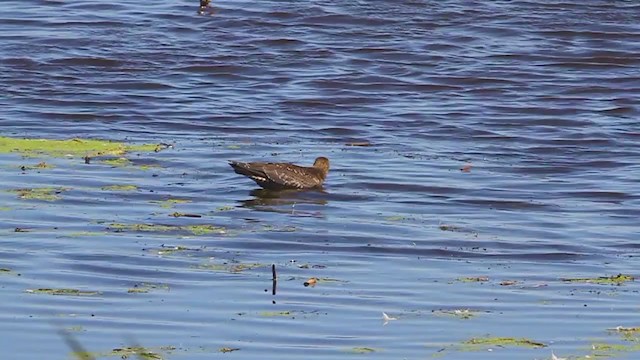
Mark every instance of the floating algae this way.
pixel 484 342
pixel 65 292
pixel 603 280
pixel 232 268
pixel 277 313
pixel 144 288
pixel 119 188
pixel 194 229
pixel 70 147
pixel 604 350
pixel 169 203
pixel 43 194
pixel 464 314
pixel 118 162
pixel 628 333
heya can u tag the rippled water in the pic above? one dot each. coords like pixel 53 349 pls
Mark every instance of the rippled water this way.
pixel 538 101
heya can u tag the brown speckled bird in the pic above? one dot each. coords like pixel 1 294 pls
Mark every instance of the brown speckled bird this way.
pixel 281 176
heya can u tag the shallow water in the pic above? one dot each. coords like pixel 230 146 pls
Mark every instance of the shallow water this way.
pixel 539 99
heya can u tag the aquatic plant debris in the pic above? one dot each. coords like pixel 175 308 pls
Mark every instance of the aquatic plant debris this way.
pixel 65 292
pixel 119 188
pixel 232 268
pixel 168 250
pixel 144 288
pixel 473 279
pixel 600 350
pixel 169 203
pixel 117 162
pixel 43 194
pixel 39 166
pixel 227 349
pixel 464 314
pixel 484 342
pixel 603 280
pixel 627 333
pixel 70 147
pixel 277 313
pixel 202 229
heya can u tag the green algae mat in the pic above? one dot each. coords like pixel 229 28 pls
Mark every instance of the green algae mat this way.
pixel 70 147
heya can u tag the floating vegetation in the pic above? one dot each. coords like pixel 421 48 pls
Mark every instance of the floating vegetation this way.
pixel 64 292
pixel 168 250
pixel 179 214
pixel 601 350
pixel 508 282
pixel 463 314
pixel 119 188
pixel 358 143
pixel 70 147
pixel 194 229
pixel 277 313
pixel 225 208
pixel 603 280
pixel 395 218
pixel 314 280
pixel 118 162
pixel 144 288
pixel 39 166
pixel 271 228
pixel 627 333
pixel 484 342
pixel 5 271
pixel 140 352
pixel 473 279
pixel 227 349
pixel 169 203
pixel 232 268
pixel 361 350
pixel 5 208
pixel 447 227
pixel 86 233
pixel 43 194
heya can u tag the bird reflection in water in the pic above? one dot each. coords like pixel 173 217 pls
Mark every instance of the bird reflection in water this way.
pixel 286 201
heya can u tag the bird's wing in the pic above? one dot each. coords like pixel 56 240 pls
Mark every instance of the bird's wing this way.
pixel 292 176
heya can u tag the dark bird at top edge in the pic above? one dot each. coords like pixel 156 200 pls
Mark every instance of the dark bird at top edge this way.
pixel 282 176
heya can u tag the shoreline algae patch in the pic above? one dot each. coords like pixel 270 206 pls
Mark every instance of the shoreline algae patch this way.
pixel 603 280
pixel 44 194
pixel 70 147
